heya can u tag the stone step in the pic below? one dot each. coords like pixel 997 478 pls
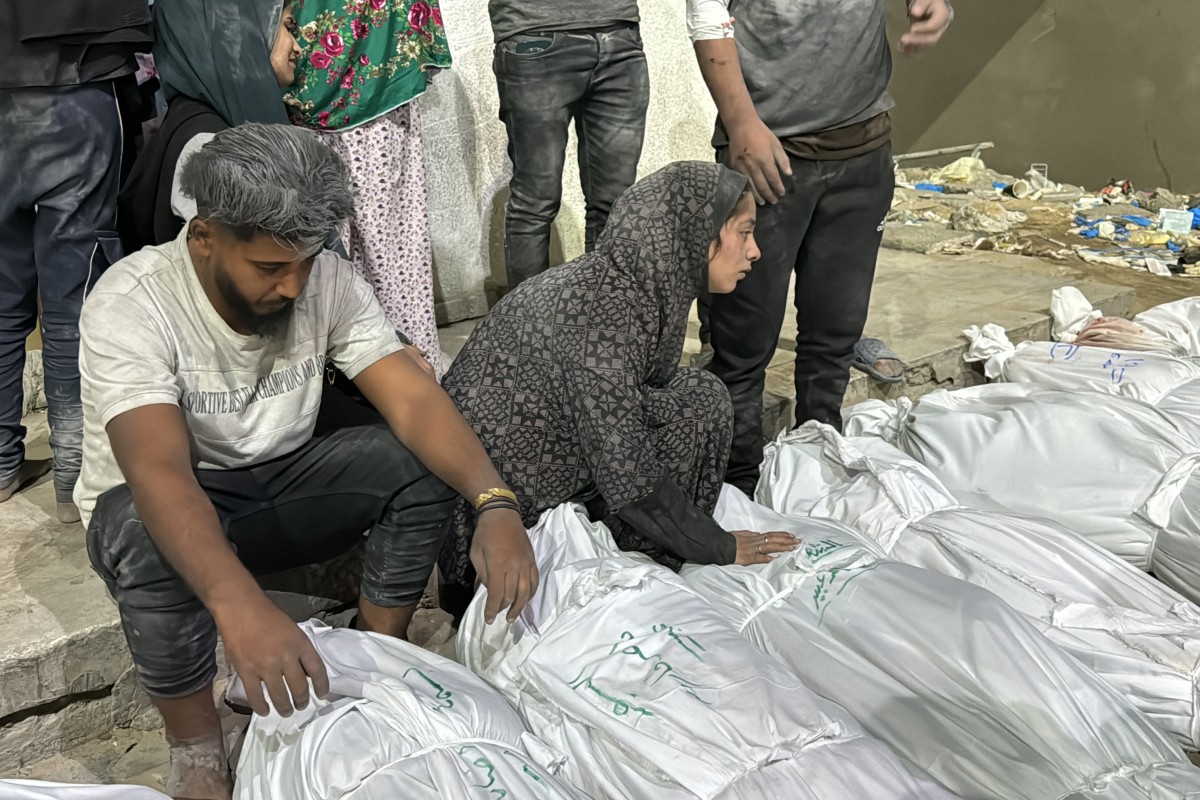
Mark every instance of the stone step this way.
pixel 65 673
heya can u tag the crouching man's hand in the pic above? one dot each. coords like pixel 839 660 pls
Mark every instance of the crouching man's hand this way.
pixel 503 559
pixel 270 651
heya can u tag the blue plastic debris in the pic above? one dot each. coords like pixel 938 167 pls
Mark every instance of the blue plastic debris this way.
pixel 1195 216
pixel 929 187
pixel 1145 222
pixel 1001 185
pixel 1174 248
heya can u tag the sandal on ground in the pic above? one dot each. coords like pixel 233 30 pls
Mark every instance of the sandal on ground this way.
pixel 868 351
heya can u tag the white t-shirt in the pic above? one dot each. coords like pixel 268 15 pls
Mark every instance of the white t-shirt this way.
pixel 149 335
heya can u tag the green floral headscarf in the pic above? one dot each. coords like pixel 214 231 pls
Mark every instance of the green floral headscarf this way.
pixel 362 58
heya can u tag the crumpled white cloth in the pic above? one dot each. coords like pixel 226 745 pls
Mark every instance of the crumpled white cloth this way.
pixel 1114 470
pixel 1141 375
pixel 651 693
pixel 1142 637
pixel 989 344
pixel 1070 312
pixel 1178 322
pixel 928 663
pixel 400 722
pixel 41 790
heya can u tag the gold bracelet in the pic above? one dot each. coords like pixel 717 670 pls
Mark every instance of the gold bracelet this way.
pixel 494 494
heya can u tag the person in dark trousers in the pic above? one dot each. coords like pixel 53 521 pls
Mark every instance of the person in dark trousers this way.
pixel 558 61
pixel 802 103
pixel 214 449
pixel 65 64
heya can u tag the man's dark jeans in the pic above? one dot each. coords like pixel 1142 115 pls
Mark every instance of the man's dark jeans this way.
pixel 59 166
pixel 827 230
pixel 598 78
pixel 302 508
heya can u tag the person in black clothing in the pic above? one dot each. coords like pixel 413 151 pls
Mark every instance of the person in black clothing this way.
pixel 211 84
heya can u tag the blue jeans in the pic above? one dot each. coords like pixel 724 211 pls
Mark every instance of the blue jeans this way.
pixel 59 166
pixel 597 78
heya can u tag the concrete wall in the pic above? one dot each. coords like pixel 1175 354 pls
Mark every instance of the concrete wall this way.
pixel 1095 88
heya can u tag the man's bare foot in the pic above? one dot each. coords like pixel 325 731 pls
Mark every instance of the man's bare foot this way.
pixel 199 769
pixel 67 513
pixel 29 471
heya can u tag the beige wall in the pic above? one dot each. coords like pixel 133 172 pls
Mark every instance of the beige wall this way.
pixel 1095 88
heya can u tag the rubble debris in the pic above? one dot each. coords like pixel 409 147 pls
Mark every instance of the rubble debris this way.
pixel 986 216
pixel 1119 225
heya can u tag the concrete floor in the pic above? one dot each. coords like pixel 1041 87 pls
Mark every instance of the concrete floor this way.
pixel 68 707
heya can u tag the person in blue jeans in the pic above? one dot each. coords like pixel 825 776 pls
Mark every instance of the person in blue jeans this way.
pixel 60 166
pixel 559 61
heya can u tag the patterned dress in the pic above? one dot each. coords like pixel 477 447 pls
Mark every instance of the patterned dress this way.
pixel 573 382
pixel 365 63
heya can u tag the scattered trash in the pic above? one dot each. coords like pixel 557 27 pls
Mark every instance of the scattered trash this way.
pixel 1035 216
pixel 1174 221
pixel 1157 267
pixel 986 216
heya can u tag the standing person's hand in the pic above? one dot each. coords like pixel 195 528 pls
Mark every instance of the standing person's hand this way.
pixel 756 153
pixel 503 558
pixel 757 548
pixel 266 647
pixel 929 18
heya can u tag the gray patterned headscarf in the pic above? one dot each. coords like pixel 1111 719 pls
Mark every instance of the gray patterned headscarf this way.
pixel 659 233
pixel 572 381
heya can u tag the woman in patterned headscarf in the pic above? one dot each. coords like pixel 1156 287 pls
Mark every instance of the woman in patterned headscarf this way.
pixel 574 386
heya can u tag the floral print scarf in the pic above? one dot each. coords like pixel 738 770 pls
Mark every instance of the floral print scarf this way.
pixel 362 58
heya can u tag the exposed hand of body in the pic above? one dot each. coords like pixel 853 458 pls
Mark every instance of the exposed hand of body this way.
pixel 1110 332
pixel 757 548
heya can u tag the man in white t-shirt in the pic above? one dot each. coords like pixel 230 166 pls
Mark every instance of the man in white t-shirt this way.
pixel 214 447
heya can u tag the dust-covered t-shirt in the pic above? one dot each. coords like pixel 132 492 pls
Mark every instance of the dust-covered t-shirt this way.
pixel 150 335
